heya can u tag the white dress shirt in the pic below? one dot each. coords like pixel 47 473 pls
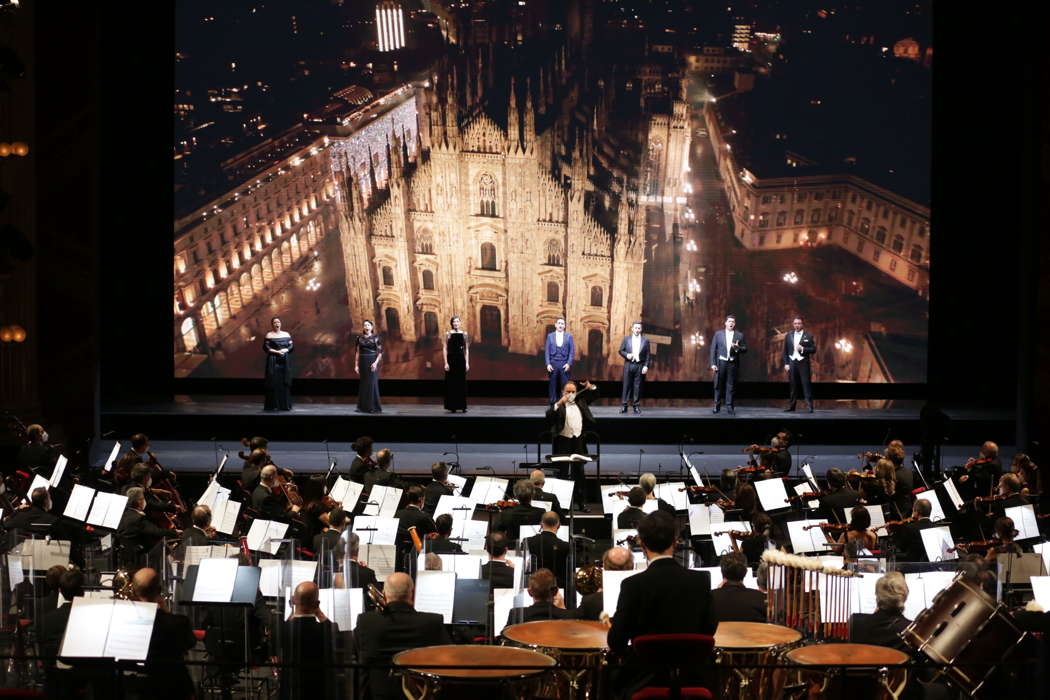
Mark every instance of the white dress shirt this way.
pixel 729 344
pixel 559 338
pixel 636 347
pixel 797 355
pixel 573 420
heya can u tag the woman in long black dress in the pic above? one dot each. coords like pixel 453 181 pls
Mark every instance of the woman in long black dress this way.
pixel 456 351
pixel 369 353
pixel 278 374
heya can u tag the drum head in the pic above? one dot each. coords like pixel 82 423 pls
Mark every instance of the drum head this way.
pixel 559 634
pixel 753 635
pixel 846 655
pixel 509 659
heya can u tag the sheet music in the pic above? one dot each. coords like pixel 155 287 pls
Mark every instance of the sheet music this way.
pixel 262 531
pixel 503 601
pixel 936 512
pixel 380 558
pixel 107 510
pixel 113 454
pixel 716 576
pixel 384 532
pixel 59 470
pixel 347 493
pixel 562 488
pixel 953 493
pixel 702 517
pixel 808 471
pixel 488 489
pixel 278 574
pixel 695 474
pixel 1043 550
pixel 215 580
pixel 130 630
pixel 436 593
pixel 14 570
pixel 79 503
pixel 862 593
pixel 772 494
pixel 230 512
pixel 530 530
pixel 454 506
pixel 811 540
pixel 208 497
pixel 519 570
pixel 574 457
pixel 43 554
pixel 342 606
pixel 806 488
pixel 545 505
pixel 1024 521
pixel 1041 590
pixel 85 635
pixel 469 534
pixel 38 482
pixel 937 541
pixel 878 519
pixel 458 482
pixel 639 561
pixel 465 566
pixel 922 588
pixel 193 555
pixel 611 583
pixel 723 543
pixel 674 493
pixel 222 464
pixel 614 505
pixel 386 499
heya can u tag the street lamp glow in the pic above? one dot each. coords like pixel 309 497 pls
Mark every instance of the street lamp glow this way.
pixel 844 345
pixel 790 278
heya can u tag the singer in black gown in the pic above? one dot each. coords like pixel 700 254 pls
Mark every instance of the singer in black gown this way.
pixel 457 363
pixel 277 377
pixel 369 354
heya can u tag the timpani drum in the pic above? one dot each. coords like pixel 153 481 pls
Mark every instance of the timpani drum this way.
pixel 855 671
pixel 742 648
pixel 579 646
pixel 486 673
pixel 967 628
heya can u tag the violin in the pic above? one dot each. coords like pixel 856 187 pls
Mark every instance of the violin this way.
pixel 725 503
pixel 739 534
pixel 895 523
pixel 979 544
pixel 699 489
pixel 629 540
pixel 808 495
pixel 499 505
pixel 834 527
pixel 977 462
pixel 620 494
pixel 283 484
pixel 749 470
pixel 760 449
pixel 990 499
pixel 871 456
pixel 860 475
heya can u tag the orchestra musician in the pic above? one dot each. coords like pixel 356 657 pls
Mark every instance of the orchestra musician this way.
pixel 732 601
pixel 1028 472
pixel 36 518
pixel 547 550
pixel 200 532
pixel 614 559
pixel 358 572
pixel 308 644
pixel 547 601
pixel 172 638
pixel 142 477
pixel 439 486
pixel 381 474
pixel 983 472
pixel 136 533
pixel 648 483
pixel 253 466
pixel 858 531
pixel 497 570
pixel 328 540
pixel 903 476
pixel 412 514
pixel 760 540
pixel 269 500
pixel 842 496
pixel 440 542
pixel 363 461
pixel 881 489
pixel 539 479
pixel 139 453
pixel 1005 532
pixel 524 513
pixel 883 627
pixel 52 628
pixel 908 539
pixel 630 516
pixel 1010 489
pixel 38 454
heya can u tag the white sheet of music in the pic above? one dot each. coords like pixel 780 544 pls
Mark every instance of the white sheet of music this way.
pixel 772 494
pixel 1043 550
pixel 519 570
pixel 699 519
pixel 695 474
pixel 1041 590
pixel 346 493
pixel 458 507
pixel 545 505
pixel 262 532
pixel 130 630
pixel 208 497
pixel 953 493
pixel 808 471
pixel 469 534
pixel 38 482
pixel 530 530
pixel 503 601
pixel 79 504
pixel 436 593
pixel 936 512
pixel 611 583
pixel 278 574
pixel 41 555
pixel 113 454
pixel 716 576
pixel 937 541
pixel 862 593
pixel 465 566
pixel 59 470
pixel 722 542
pixel 222 464
pixel 107 510
pixel 193 555
pixel 386 499
pixel 922 588
pixel 611 504
pixel 380 558
pixel 14 570
pixel 230 512
pixel 384 532
pixel 488 489
pixel 562 488
pixel 342 606
pixel 458 483
pixel 811 540
pixel 878 519
pixel 98 628
pixel 215 580
pixel 674 493
pixel 1024 521
pixel 802 488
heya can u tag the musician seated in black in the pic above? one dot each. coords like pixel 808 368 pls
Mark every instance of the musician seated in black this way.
pixel 329 539
pixel 614 559
pixel 398 627
pixel 760 540
pixel 267 500
pixel 883 627
pixel 442 544
pixel 648 483
pixel 842 497
pixel 307 647
pixel 908 540
pixel 363 462
pixel 141 476
pixel 136 533
pixel 199 534
pixel 547 602
pixel 253 466
pixel 412 514
pixel 983 472
pixel 360 576
pixel 37 455
pixel 35 518
pixel 172 637
pixel 382 475
pixel 438 487
pixel 547 550
pixel 630 516
pixel 511 520
pixel 498 571
pixel 781 457
pixel 1010 489
pixel 903 477
pixel 538 479
pixel 1005 532
pixel 732 601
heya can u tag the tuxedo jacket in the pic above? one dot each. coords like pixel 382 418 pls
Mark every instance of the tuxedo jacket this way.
pixel 556 414
pixel 881 628
pixel 807 346
pixel 381 635
pixel 555 356
pixel 718 346
pixel 734 602
pixel 548 551
pixel 643 350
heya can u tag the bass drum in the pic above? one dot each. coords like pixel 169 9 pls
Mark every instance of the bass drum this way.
pixel 967 628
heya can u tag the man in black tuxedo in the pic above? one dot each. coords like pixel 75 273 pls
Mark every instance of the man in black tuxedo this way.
pixel 524 513
pixel 381 635
pixel 883 627
pixel 197 534
pixel 798 346
pixel 330 539
pixel 172 638
pixel 442 544
pixel 37 518
pixel 982 473
pixel 833 507
pixel 37 454
pixel 307 647
pixel 630 516
pixel 438 487
pixel 267 504
pixel 726 349
pixel 666 598
pixel 497 570
pixel 903 475
pixel 136 533
pixel 412 514
pixel 570 416
pixel 733 601
pixel 635 353
pixel 360 575
pixel 909 541
pixel 539 479
pixel 547 603
pixel 548 551
pixel 614 559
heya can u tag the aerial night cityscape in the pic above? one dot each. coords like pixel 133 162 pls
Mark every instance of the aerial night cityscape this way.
pixel 513 163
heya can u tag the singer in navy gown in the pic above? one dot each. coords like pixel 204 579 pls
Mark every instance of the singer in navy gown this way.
pixel 457 364
pixel 277 377
pixel 369 354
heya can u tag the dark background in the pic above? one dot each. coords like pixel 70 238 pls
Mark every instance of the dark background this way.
pixel 105 226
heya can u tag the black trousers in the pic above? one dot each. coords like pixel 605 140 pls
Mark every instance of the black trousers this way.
pixel 632 382
pixel 572 470
pixel 799 379
pixel 725 382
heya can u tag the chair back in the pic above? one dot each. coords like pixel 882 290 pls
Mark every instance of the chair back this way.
pixel 675 650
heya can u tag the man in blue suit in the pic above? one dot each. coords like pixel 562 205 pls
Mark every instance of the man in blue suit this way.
pixel 558 353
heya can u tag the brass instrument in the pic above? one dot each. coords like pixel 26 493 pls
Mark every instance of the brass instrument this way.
pixel 122 589
pixel 377 596
pixel 589 579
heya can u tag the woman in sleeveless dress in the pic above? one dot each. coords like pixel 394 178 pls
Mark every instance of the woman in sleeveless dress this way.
pixel 277 377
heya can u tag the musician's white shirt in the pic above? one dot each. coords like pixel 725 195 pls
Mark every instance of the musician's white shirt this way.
pixel 797 355
pixel 729 344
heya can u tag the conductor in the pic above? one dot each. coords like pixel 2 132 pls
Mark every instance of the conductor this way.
pixel 570 416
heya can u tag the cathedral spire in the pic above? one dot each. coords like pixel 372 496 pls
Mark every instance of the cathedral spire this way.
pixel 372 184
pixel 513 121
pixel 529 127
